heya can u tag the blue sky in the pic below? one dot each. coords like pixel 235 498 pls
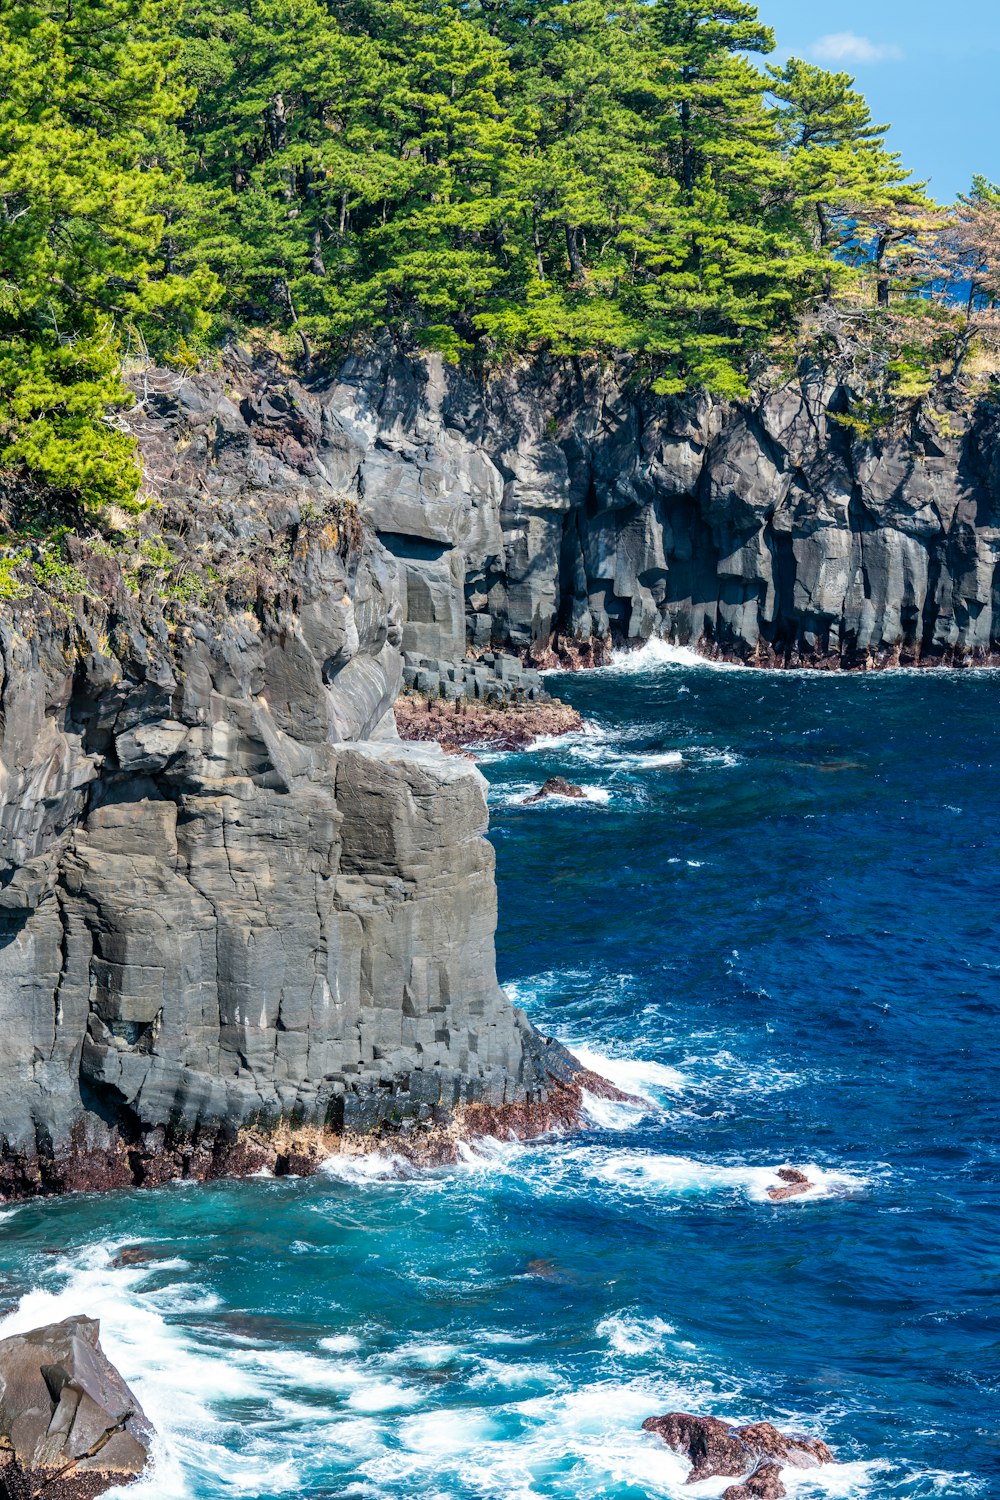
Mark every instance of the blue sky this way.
pixel 930 68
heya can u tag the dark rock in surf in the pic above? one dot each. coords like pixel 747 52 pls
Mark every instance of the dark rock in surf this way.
pixel 70 1428
pixel 795 1184
pixel 718 1449
pixel 134 1255
pixel 763 1484
pixel 557 786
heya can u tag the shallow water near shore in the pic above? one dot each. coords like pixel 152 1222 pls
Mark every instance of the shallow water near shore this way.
pixel 774 918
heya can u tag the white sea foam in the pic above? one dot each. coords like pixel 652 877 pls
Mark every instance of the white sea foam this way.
pixel 647 1171
pixel 658 760
pixel 368 1166
pixel 609 1114
pixel 615 759
pixel 341 1343
pixel 522 794
pixel 631 1335
pixel 425 1356
pixel 634 1075
pixel 589 733
pixel 383 1395
pixel 656 653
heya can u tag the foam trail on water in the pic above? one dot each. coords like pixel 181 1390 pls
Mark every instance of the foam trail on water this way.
pixel 522 794
pixel 630 1335
pixel 646 1171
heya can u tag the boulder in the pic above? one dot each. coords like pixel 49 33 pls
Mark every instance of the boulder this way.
pixel 557 786
pixel 795 1183
pixel 716 1449
pixel 763 1484
pixel 70 1428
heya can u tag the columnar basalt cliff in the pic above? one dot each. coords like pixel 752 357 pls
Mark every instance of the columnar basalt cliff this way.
pixel 562 506
pixel 234 907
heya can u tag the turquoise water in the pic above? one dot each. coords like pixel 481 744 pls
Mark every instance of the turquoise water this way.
pixel 775 917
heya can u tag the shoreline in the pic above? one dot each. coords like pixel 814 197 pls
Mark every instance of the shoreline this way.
pixel 563 655
pixel 465 725
pixel 302 1151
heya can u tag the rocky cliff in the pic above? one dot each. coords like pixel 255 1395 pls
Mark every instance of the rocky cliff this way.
pixel 557 505
pixel 234 907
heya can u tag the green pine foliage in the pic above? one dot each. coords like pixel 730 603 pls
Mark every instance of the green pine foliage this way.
pixel 85 92
pixel 476 176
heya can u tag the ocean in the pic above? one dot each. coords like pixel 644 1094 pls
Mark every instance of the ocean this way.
pixel 774 919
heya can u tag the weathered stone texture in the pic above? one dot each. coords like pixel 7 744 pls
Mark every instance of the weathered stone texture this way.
pixel 230 895
pixel 70 1428
pixel 573 505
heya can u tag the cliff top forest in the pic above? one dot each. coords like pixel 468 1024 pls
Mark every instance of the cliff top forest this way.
pixel 481 179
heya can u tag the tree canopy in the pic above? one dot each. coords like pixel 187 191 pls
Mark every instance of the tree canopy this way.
pixel 486 176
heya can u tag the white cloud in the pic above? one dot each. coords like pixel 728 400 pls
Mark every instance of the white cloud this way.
pixel 847 47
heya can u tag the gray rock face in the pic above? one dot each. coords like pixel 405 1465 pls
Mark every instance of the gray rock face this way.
pixel 567 505
pixel 69 1425
pixel 229 895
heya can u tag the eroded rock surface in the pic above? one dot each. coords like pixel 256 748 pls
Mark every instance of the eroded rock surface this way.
pixel 556 507
pixel 763 1484
pixel 232 902
pixel 718 1449
pixel 793 1184
pixel 70 1428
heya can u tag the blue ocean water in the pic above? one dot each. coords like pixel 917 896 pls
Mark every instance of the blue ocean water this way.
pixel 775 918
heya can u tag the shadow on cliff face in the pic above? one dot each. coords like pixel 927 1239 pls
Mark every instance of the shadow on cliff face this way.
pixel 241 918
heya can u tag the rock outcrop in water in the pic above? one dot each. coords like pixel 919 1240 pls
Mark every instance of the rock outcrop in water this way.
pixel 237 916
pixel 70 1428
pixel 555 509
pixel 794 1184
pixel 755 1453
pixel 557 786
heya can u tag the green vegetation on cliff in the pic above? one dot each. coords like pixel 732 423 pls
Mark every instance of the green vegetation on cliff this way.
pixel 496 175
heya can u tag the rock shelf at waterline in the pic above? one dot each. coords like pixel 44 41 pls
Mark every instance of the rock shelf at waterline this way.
pixel 465 725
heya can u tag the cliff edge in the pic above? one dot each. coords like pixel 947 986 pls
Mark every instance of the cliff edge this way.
pixel 238 917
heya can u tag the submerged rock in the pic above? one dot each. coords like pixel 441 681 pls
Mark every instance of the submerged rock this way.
pixel 795 1184
pixel 717 1449
pixel 70 1428
pixel 557 786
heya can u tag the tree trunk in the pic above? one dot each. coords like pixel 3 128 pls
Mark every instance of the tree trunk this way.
pixel 687 154
pixel 573 253
pixel 538 247
pixel 277 120
pixel 306 348
pixel 882 289
pixel 316 263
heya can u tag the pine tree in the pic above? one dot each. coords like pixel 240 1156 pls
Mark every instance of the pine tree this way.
pixel 857 194
pixel 84 90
